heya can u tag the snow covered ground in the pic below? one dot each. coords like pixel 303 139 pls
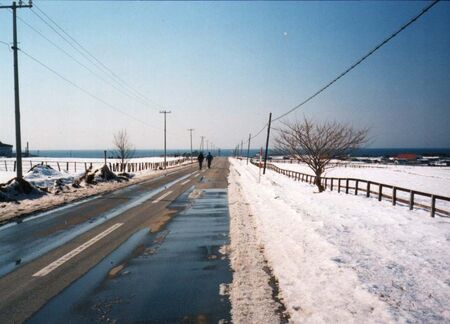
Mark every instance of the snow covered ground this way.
pixel 435 180
pixel 96 163
pixel 344 258
pixel 60 189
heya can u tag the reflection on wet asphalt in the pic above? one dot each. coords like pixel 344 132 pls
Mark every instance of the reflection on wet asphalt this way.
pixel 167 277
pixel 37 235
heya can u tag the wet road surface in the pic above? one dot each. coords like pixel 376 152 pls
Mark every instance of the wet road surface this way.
pixel 23 242
pixel 169 277
pixel 145 253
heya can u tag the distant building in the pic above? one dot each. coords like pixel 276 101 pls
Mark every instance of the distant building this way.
pixel 406 158
pixel 5 149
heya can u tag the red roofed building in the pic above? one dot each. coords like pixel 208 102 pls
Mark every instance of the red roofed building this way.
pixel 406 158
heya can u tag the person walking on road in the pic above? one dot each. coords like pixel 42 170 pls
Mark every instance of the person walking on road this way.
pixel 200 159
pixel 209 158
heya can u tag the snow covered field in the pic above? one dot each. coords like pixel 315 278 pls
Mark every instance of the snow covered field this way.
pixel 435 180
pixel 344 258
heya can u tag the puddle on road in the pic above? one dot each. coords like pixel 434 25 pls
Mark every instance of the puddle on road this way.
pixel 172 276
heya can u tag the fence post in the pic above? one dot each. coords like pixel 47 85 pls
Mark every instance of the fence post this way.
pixel 356 187
pixel 331 186
pixel 6 165
pixel 433 205
pixel 368 189
pixel 380 191
pixel 85 166
pixel 59 169
pixel 339 185
pixel 394 196
pixel 75 166
pixel 67 166
pixel 411 200
pixel 346 186
pixel 326 183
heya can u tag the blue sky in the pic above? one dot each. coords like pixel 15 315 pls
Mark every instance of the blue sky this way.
pixel 222 67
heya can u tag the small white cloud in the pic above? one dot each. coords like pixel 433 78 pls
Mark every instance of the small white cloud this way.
pixel 285 33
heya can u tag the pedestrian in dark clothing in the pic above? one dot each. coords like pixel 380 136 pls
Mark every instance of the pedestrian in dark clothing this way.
pixel 209 158
pixel 200 159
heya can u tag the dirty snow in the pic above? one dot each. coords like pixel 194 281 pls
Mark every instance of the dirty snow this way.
pixel 344 258
pixel 250 292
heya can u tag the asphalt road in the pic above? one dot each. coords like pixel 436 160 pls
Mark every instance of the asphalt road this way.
pixel 44 255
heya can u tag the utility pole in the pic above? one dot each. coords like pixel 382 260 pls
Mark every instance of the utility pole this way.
pixel 248 147
pixel 242 146
pixel 13 7
pixel 267 143
pixel 201 143
pixel 190 131
pixel 165 112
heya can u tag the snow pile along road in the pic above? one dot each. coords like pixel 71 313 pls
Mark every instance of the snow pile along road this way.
pixel 342 258
pixel 50 187
pixel 250 292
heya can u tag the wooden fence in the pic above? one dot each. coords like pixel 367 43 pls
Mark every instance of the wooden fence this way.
pixel 80 166
pixel 355 186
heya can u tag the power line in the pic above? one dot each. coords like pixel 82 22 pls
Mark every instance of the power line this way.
pixel 68 41
pixel 90 94
pixel 98 63
pixel 384 42
pixel 80 63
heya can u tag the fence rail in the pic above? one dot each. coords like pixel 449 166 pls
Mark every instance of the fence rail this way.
pixel 369 188
pixel 80 166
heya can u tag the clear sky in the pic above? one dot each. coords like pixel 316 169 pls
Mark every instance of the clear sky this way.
pixel 221 67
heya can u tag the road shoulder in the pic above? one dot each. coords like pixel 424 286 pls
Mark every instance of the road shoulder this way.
pixel 253 292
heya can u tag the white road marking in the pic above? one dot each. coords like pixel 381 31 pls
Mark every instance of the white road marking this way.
pixel 183 183
pixel 162 197
pixel 52 266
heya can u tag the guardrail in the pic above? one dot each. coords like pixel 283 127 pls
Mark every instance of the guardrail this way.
pixel 367 187
pixel 80 166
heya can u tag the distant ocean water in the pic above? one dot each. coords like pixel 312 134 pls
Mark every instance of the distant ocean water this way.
pixel 372 152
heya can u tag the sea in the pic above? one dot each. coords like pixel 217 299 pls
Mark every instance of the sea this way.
pixel 364 152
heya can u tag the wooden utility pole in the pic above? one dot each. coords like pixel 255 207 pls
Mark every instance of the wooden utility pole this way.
pixel 201 143
pixel 190 131
pixel 165 112
pixel 267 143
pixel 13 7
pixel 248 147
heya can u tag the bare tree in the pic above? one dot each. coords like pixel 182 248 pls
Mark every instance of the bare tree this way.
pixel 123 147
pixel 317 144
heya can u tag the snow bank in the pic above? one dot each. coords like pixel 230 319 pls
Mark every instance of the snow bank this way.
pixel 45 176
pixel 250 292
pixel 342 258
